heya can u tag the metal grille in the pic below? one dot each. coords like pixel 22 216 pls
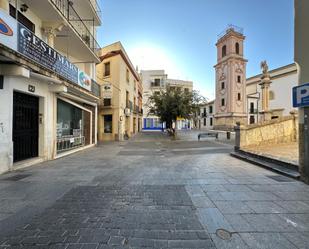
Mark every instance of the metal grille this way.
pixel 25 126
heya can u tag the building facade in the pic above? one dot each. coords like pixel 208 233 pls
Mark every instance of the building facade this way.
pixel 47 84
pixel 206 119
pixel 283 79
pixel 156 81
pixel 120 110
pixel 230 69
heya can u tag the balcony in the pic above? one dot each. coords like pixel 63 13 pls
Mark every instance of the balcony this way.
pixel 73 25
pixel 65 7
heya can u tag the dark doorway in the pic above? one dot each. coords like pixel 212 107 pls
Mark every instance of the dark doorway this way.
pixel 25 126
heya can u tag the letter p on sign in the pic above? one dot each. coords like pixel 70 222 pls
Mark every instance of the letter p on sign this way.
pixel 301 95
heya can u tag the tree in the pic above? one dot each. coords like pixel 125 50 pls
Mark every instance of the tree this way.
pixel 170 103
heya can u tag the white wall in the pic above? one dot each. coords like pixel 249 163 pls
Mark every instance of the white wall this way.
pixel 46 107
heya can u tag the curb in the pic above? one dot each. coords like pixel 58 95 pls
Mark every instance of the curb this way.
pixel 283 168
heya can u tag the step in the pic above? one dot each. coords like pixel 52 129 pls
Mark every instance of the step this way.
pixel 284 168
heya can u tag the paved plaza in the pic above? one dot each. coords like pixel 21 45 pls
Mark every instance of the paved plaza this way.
pixel 151 192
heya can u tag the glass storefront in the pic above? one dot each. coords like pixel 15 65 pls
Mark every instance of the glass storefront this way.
pixel 70 125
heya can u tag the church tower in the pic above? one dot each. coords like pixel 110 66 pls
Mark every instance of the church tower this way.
pixel 230 101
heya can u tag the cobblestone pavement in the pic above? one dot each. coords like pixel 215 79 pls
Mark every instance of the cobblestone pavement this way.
pixel 151 192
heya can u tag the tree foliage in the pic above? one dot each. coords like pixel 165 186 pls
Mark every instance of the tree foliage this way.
pixel 170 103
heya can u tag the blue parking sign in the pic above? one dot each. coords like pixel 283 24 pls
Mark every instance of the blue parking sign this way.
pixel 301 95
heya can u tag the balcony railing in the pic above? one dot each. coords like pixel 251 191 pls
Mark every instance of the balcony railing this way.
pixel 69 13
pixel 96 7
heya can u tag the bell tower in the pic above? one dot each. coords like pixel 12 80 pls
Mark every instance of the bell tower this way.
pixel 230 100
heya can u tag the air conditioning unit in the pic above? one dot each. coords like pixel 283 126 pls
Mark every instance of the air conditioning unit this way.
pixel 127 112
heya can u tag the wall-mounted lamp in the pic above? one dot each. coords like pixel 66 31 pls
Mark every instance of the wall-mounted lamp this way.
pixel 24 7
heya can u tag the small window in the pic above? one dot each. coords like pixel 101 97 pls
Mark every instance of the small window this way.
pixel 204 121
pixel 239 79
pixel 128 75
pixel 108 123
pixel 252 119
pixel 271 95
pixel 204 111
pixel 210 121
pixel 107 68
pixel 134 84
pixel 238 96
pixel 223 51
pixel 22 19
pixel 222 102
pixel 186 90
pixel 210 109
pixel 251 107
pixel 157 82
pixel 107 102
pixel 237 48
pixel 222 85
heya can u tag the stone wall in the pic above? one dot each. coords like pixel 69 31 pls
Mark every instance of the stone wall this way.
pixel 276 131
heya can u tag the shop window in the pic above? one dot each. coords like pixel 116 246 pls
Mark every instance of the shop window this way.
pixel 22 19
pixel 204 121
pixel 108 123
pixel 107 69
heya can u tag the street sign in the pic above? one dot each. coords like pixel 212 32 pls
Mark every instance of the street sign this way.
pixel 301 95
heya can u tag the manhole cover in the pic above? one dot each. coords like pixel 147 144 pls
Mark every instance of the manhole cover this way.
pixel 16 177
pixel 223 234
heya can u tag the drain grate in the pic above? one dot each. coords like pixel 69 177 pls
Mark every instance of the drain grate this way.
pixel 16 178
pixel 223 234
pixel 279 178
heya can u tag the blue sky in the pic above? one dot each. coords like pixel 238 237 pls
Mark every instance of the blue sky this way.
pixel 180 35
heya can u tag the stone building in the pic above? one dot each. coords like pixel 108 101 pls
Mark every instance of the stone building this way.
pixel 155 81
pixel 47 66
pixel 248 100
pixel 120 110
pixel 230 69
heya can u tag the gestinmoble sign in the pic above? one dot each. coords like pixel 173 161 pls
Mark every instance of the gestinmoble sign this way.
pixel 17 37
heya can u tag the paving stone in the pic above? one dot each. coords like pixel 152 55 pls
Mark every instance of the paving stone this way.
pixel 233 207
pixel 265 207
pixel 239 223
pixel 267 241
pixel 235 242
pixel 300 240
pixel 212 219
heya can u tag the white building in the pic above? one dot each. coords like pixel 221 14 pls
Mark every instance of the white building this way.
pixel 206 116
pixel 283 79
pixel 155 81
pixel 47 66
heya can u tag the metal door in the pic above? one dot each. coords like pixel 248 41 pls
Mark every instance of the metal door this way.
pixel 25 126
